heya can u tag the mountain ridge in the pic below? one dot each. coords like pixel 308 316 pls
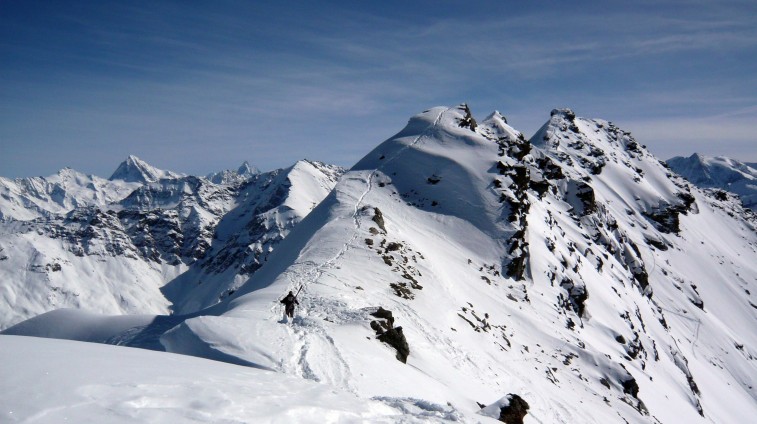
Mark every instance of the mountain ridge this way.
pixel 112 246
pixel 719 173
pixel 573 270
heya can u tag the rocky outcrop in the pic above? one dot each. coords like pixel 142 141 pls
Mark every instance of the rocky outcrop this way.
pixel 387 333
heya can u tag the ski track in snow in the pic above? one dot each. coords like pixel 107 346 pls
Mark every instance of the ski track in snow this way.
pixel 310 338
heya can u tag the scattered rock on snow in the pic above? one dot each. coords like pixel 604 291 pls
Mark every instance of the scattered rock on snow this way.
pixel 387 333
pixel 511 409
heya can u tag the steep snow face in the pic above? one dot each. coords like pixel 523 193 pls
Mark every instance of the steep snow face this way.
pixel 115 256
pixel 26 199
pixel 573 270
pixel 135 170
pixel 721 173
pixel 268 207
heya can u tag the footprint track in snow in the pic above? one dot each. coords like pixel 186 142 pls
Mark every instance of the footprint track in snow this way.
pixel 316 355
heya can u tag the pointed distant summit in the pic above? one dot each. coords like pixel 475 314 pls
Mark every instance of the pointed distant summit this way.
pixel 247 169
pixel 135 170
pixel 228 176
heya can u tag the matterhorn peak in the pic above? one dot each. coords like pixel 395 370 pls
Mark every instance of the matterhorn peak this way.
pixel 247 169
pixel 134 169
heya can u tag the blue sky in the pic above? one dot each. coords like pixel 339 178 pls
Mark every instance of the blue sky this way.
pixel 197 87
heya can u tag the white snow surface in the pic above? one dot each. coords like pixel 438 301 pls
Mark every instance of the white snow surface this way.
pixel 25 199
pixel 56 381
pixel 575 271
pixel 112 247
pixel 719 172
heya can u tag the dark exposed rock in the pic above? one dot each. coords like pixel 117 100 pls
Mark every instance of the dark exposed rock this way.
pixel 577 294
pixel 393 246
pixel 642 277
pixel 384 314
pixel 720 195
pixel 515 411
pixel 395 338
pixel 540 187
pixel 401 290
pixel 517 267
pixel 630 386
pixel 666 218
pixel 467 121
pixel 550 169
pixel 659 244
pixel 585 194
pixel 566 113
pixel 387 333
pixel 378 218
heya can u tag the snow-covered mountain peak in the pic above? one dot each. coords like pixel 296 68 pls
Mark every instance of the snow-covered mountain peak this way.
pixel 571 253
pixel 134 169
pixel 89 240
pixel 247 169
pixel 459 265
pixel 720 173
pixel 30 198
pixel 228 176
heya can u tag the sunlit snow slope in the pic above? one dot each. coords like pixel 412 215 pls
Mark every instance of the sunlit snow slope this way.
pixel 56 381
pixel 573 270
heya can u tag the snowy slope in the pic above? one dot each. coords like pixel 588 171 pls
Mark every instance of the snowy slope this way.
pixel 573 270
pixel 110 247
pixel 268 206
pixel 719 172
pixel 82 382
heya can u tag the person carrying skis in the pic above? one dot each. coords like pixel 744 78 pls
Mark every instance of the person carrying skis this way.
pixel 289 301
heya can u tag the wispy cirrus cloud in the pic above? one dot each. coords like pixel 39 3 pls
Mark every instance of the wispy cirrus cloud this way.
pixel 331 82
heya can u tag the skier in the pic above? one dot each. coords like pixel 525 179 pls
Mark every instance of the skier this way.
pixel 289 301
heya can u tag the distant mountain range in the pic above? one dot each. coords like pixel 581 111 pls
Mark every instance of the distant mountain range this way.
pixel 720 172
pixel 112 246
pixel 459 272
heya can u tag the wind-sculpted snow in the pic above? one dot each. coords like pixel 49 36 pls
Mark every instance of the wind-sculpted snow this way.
pixel 571 277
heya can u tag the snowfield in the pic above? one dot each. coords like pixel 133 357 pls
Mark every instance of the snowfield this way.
pixel 56 381
pixel 459 271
